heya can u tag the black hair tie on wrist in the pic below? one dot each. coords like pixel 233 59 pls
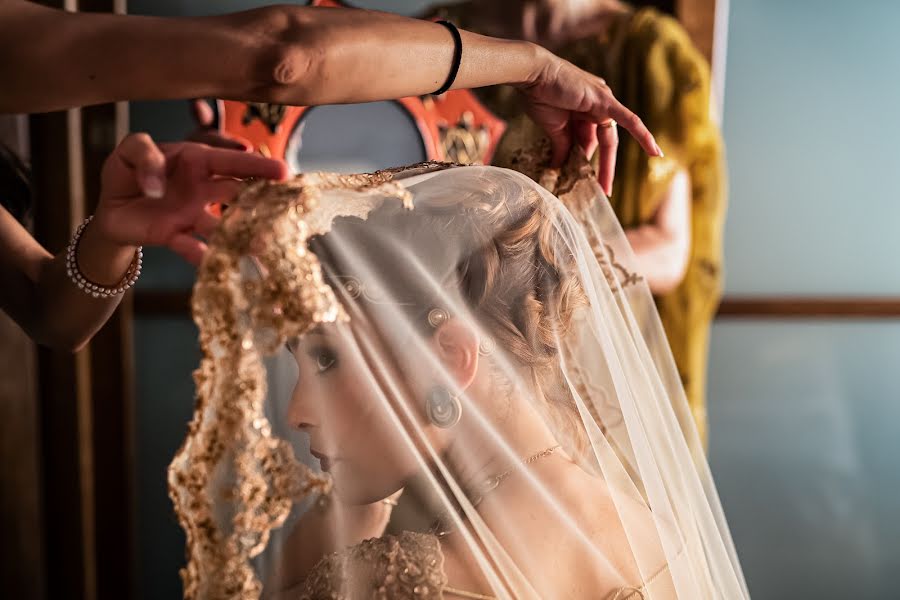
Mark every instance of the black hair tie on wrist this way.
pixel 457 57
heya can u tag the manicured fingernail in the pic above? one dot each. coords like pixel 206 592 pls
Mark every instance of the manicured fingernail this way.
pixel 154 187
pixel 659 151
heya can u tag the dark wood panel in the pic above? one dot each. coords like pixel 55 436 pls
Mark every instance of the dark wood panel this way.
pixel 820 308
pixel 666 6
pixel 21 544
pixel 174 303
pixel 64 398
pixel 112 390
pixel 85 399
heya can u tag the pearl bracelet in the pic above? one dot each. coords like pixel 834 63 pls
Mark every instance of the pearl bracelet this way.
pixel 94 289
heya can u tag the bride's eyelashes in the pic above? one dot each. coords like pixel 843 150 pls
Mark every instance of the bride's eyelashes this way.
pixel 323 357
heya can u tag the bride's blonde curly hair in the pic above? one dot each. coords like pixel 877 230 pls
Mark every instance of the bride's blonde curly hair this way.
pixel 492 244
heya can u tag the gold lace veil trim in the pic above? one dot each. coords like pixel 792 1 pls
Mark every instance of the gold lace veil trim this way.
pixel 232 481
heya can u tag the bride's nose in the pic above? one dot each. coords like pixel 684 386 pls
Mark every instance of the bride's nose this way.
pixel 302 413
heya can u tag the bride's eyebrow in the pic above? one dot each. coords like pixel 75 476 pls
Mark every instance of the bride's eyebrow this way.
pixel 292 343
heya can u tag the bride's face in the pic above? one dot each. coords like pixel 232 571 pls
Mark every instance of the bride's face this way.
pixel 341 400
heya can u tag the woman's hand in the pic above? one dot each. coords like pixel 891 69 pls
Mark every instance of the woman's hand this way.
pixel 209 132
pixel 574 106
pixel 159 195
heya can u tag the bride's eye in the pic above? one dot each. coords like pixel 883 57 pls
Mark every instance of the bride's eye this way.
pixel 325 358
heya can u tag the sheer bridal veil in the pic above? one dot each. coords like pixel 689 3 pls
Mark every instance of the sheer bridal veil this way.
pixel 439 382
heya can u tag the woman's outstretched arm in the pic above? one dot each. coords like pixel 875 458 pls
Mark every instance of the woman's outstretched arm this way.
pixel 285 54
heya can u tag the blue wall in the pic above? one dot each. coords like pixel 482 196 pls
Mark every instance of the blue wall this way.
pixel 805 415
pixel 811 121
pixel 804 448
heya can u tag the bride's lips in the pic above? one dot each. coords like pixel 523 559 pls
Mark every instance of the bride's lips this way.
pixel 325 461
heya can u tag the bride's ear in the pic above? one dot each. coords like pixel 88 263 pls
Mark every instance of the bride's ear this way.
pixel 456 345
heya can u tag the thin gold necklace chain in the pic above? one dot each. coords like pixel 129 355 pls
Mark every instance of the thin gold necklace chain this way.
pixel 491 483
pixel 439 527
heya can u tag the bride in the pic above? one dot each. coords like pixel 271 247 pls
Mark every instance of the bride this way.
pixel 483 379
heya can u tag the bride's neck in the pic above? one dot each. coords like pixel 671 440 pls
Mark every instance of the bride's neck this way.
pixel 487 446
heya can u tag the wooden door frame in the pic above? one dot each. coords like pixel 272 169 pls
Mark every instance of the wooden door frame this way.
pixel 22 571
pixel 85 400
pixel 706 21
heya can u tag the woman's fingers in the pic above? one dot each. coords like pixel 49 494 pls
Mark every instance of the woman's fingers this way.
pixel 206 131
pixel 561 145
pixel 564 88
pixel 218 191
pixel 218 140
pixel 243 165
pixel 206 224
pixel 602 138
pixel 139 153
pixel 555 123
pixel 585 135
pixel 632 123
pixel 608 143
pixel 202 112
pixel 188 247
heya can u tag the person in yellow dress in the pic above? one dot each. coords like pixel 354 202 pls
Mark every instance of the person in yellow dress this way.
pixel 673 207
